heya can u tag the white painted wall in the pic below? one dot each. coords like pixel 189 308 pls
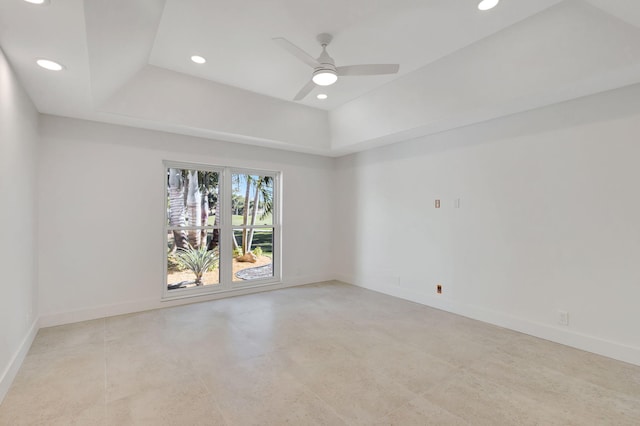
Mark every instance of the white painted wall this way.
pixel 18 206
pixel 548 220
pixel 101 221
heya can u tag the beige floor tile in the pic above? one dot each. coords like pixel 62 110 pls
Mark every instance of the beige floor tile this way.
pixel 144 328
pixel 177 404
pixel 54 402
pixel 599 370
pixel 260 392
pixel 359 394
pixel 239 305
pixel 94 415
pixel 414 369
pixel 81 363
pixel 420 412
pixel 321 354
pixel 269 330
pixel 60 385
pixel 309 354
pixel 136 369
pixel 481 401
pixel 68 336
pixel 361 401
pixel 576 400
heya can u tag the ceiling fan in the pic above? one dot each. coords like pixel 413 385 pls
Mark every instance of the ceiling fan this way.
pixel 325 72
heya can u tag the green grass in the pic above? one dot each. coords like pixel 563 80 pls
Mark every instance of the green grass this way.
pixel 237 220
pixel 261 238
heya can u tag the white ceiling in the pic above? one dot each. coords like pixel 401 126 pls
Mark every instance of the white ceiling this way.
pixel 127 61
pixel 237 38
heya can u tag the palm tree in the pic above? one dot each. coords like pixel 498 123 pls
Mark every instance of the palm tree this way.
pixel 194 208
pixel 208 184
pixel 245 216
pixel 261 189
pixel 176 207
pixel 264 193
pixel 237 203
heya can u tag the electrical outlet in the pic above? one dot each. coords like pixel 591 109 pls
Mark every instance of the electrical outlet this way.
pixel 439 288
pixel 563 317
pixel 437 204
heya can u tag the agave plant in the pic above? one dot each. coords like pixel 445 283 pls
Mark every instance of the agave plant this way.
pixel 198 260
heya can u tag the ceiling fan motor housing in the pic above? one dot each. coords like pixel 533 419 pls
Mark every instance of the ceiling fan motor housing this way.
pixel 326 62
pixel 324 67
pixel 327 66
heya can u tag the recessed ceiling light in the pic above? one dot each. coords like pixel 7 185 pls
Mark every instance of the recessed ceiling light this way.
pixel 322 96
pixel 488 4
pixel 38 2
pixel 198 59
pixel 49 65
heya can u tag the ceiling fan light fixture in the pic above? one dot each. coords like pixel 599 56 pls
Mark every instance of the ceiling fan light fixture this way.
pixel 488 4
pixel 324 77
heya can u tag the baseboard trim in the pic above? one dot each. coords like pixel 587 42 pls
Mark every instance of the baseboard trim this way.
pixel 104 311
pixel 564 336
pixel 9 374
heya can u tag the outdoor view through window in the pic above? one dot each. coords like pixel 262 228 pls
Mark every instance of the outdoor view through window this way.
pixel 221 231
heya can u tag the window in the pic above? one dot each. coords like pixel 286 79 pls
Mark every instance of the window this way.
pixel 222 229
pixel 252 229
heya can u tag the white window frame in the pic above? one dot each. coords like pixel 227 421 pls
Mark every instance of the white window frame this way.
pixel 226 227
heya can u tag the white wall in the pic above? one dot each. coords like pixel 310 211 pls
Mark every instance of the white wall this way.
pixel 101 192
pixel 548 220
pixel 18 165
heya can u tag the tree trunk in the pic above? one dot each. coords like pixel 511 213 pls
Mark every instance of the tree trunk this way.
pixel 245 218
pixel 176 207
pixel 204 214
pixel 235 242
pixel 254 212
pixel 194 209
pixel 215 240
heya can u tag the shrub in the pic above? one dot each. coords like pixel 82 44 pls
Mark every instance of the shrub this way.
pixel 257 251
pixel 173 264
pixel 198 260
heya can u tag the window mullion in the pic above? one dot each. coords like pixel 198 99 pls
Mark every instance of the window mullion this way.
pixel 226 245
pixel 191 228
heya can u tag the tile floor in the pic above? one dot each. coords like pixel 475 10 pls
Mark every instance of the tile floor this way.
pixel 327 354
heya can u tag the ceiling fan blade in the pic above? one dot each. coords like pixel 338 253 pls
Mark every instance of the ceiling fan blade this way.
pixel 296 51
pixel 369 69
pixel 305 90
